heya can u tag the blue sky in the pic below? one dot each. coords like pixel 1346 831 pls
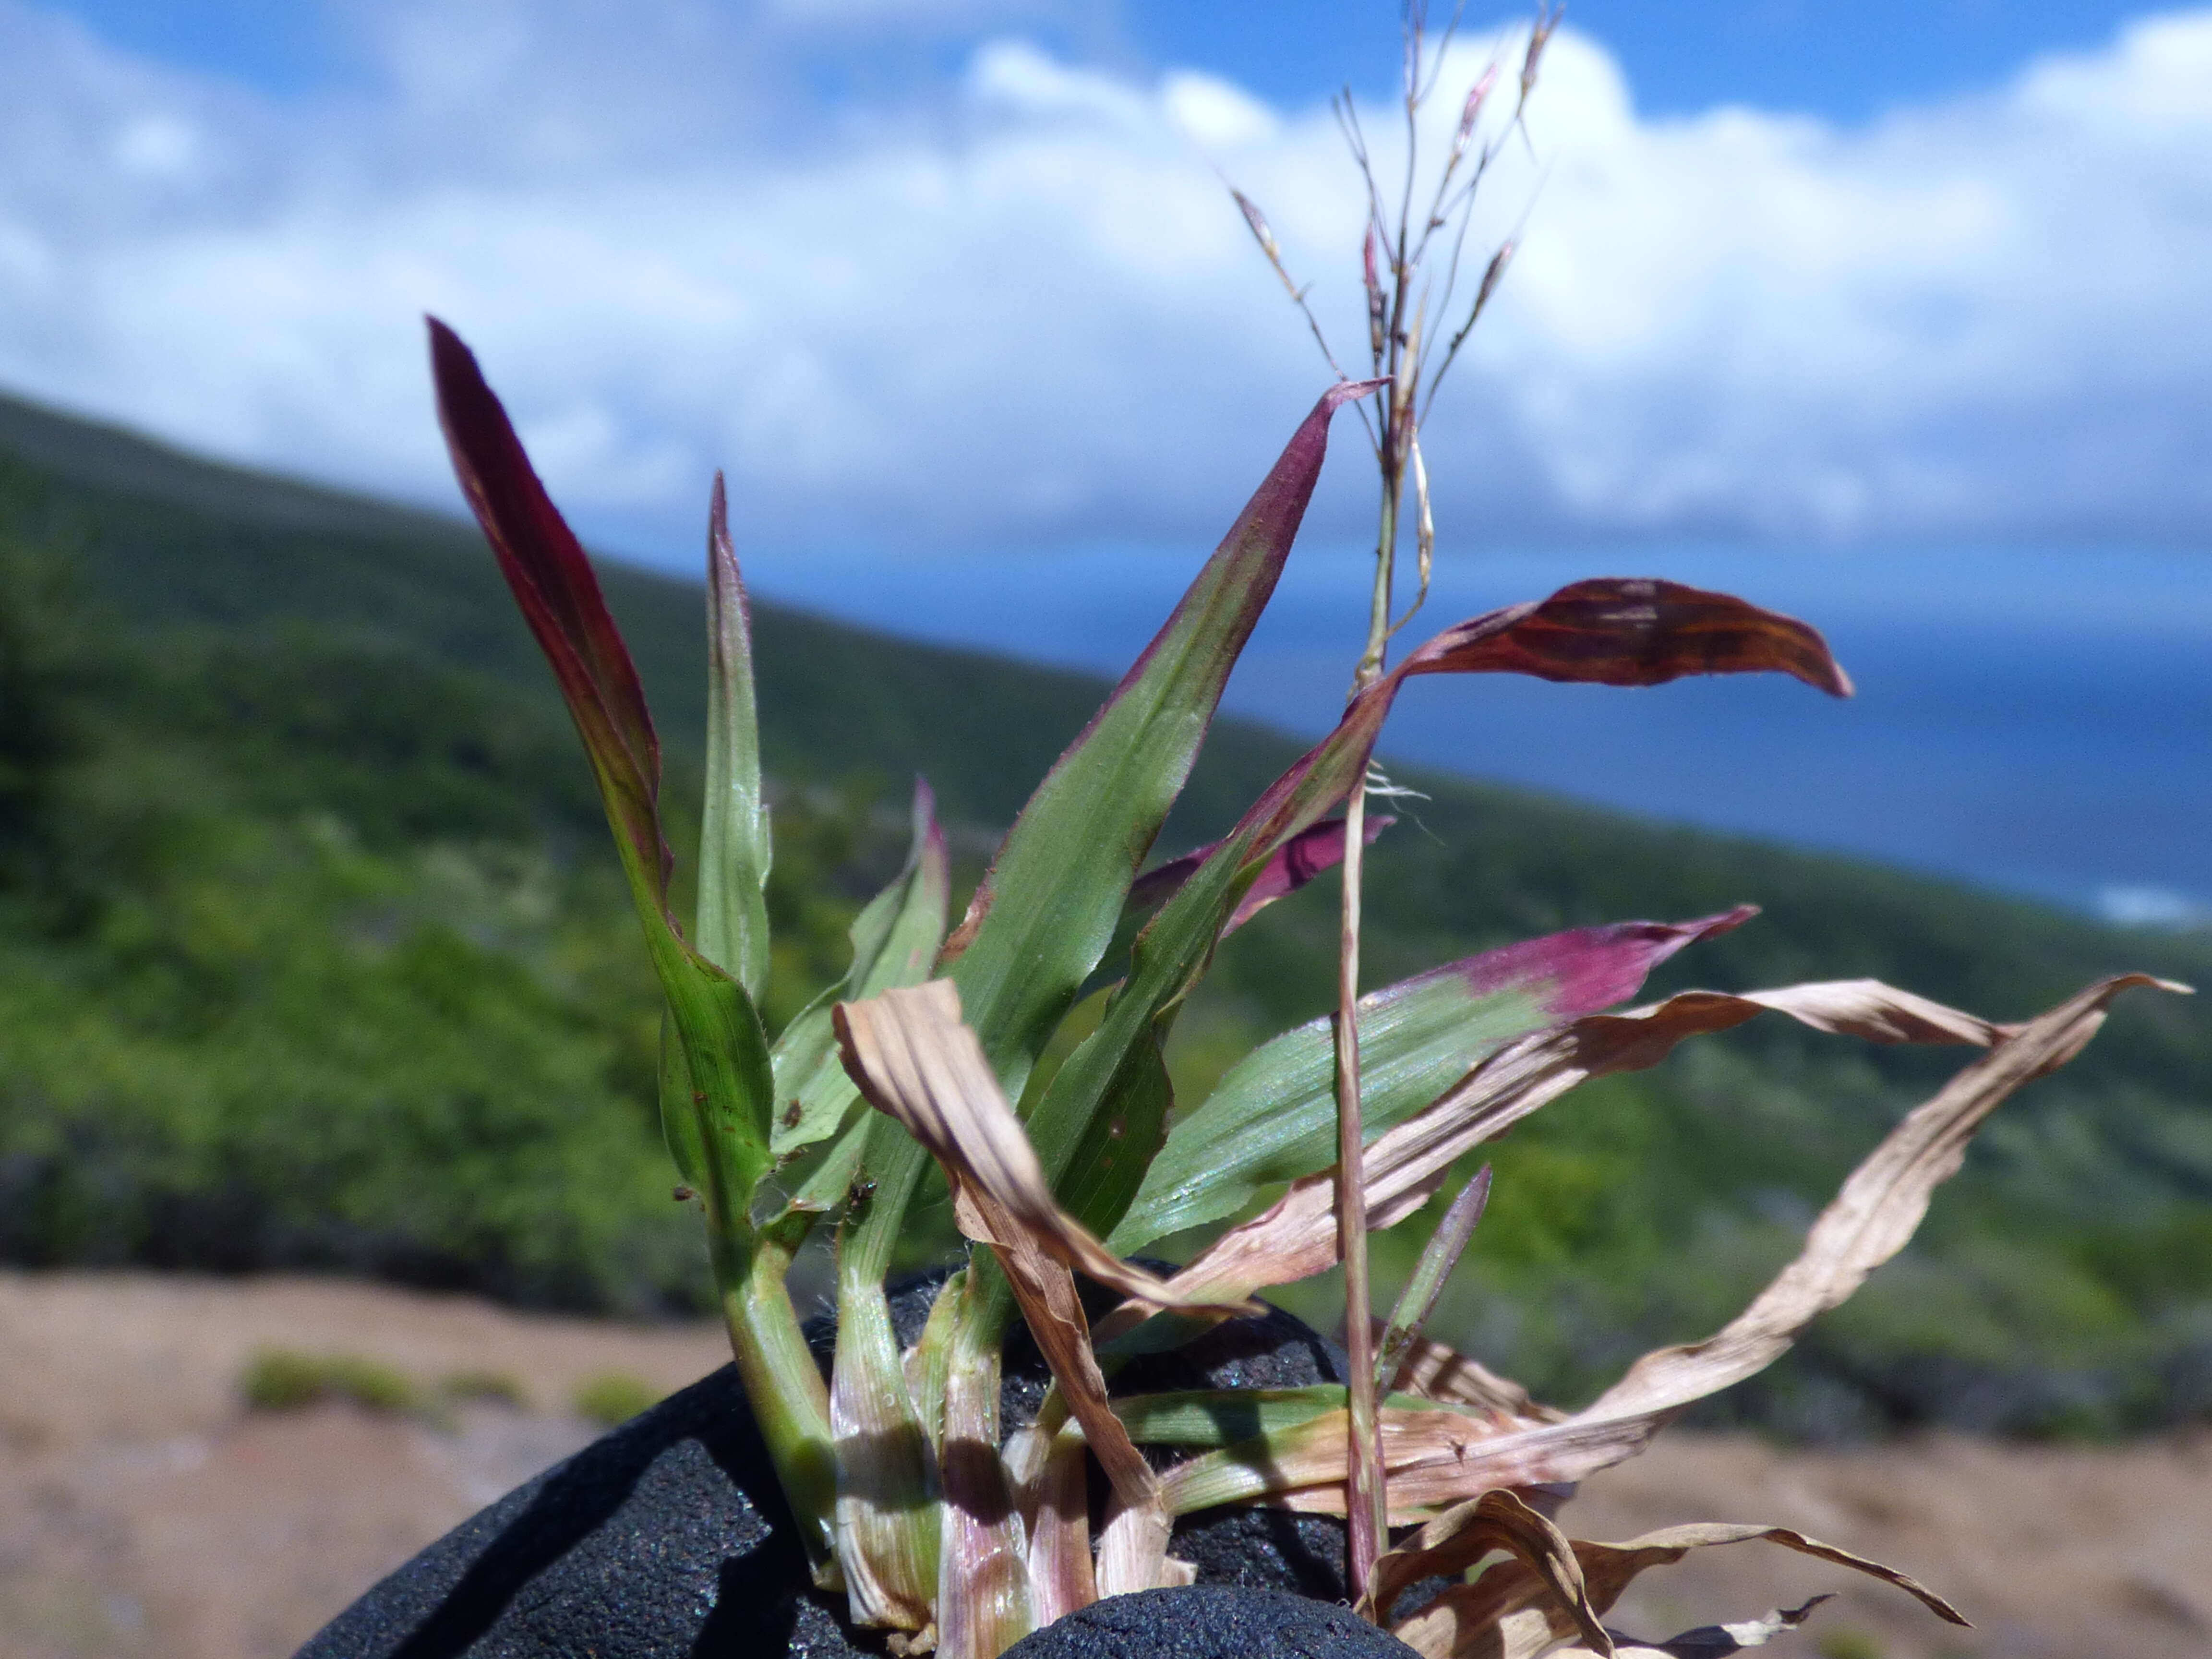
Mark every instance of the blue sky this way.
pixel 959 273
pixel 1846 61
pixel 1884 301
pixel 1842 61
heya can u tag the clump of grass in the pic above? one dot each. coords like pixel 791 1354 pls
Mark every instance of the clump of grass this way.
pixel 1852 1642
pixel 482 1386
pixel 610 1398
pixel 918 1053
pixel 287 1379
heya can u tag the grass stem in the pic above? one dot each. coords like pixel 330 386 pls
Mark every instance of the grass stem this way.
pixel 782 1380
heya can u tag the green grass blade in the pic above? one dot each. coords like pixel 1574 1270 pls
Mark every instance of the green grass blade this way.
pixel 724 1048
pixel 734 844
pixel 895 941
pixel 1047 910
pixel 1272 1117
pixel 722 1056
pixel 1103 1121
pixel 1438 1257
pixel 1231 1417
pixel 679 1117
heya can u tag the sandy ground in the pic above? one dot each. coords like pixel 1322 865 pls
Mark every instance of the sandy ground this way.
pixel 144 1511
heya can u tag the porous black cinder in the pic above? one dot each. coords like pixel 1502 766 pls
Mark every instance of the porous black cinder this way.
pixel 1210 1621
pixel 669 1537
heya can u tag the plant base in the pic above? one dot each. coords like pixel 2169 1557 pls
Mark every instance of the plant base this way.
pixel 669 1535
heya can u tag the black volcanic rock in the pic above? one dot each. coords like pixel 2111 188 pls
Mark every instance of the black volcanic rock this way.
pixel 1210 1621
pixel 669 1536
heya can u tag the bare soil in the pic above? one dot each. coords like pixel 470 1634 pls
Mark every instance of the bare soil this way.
pixel 145 1510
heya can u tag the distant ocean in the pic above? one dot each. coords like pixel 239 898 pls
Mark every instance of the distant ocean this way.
pixel 2035 721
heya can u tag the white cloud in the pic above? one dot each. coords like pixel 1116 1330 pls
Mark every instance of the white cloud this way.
pixel 2150 907
pixel 1017 306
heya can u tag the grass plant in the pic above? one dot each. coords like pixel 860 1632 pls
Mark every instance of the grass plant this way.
pixel 1053 1119
pixel 988 1049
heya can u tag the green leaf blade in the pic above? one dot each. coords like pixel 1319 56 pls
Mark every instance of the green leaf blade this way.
pixel 724 1051
pixel 1272 1117
pixel 1047 910
pixel 1099 1125
pixel 895 941
pixel 735 848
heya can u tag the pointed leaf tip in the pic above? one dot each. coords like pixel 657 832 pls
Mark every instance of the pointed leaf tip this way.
pixel 552 580
pixel 736 847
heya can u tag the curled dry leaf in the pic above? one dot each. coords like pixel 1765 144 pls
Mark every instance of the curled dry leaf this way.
pixel 1874 1213
pixel 1296 1238
pixel 1453 1456
pixel 915 1062
pixel 1135 1540
pixel 1436 1372
pixel 1509 1613
pixel 1461 1536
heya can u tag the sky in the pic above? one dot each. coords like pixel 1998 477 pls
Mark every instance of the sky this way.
pixel 1899 313
pixel 957 274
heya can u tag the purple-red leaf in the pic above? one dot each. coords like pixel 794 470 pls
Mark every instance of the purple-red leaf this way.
pixel 559 597
pixel 1295 863
pixel 724 1051
pixel 1610 631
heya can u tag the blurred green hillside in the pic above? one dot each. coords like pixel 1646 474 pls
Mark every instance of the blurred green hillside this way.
pixel 311 955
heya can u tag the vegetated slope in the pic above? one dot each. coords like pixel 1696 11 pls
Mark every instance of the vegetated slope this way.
pixel 311 954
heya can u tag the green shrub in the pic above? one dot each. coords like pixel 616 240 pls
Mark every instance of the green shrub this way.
pixel 1851 1642
pixel 483 1387
pixel 286 1379
pixel 610 1398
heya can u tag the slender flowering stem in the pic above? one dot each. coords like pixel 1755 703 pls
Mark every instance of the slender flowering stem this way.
pixel 1365 1506
pixel 1399 301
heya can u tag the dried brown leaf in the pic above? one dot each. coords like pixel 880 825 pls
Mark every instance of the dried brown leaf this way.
pixel 1873 1215
pixel 1509 1613
pixel 1296 1238
pixel 1436 1459
pixel 913 1060
pixel 1045 1291
pixel 1435 1371
pixel 1463 1535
